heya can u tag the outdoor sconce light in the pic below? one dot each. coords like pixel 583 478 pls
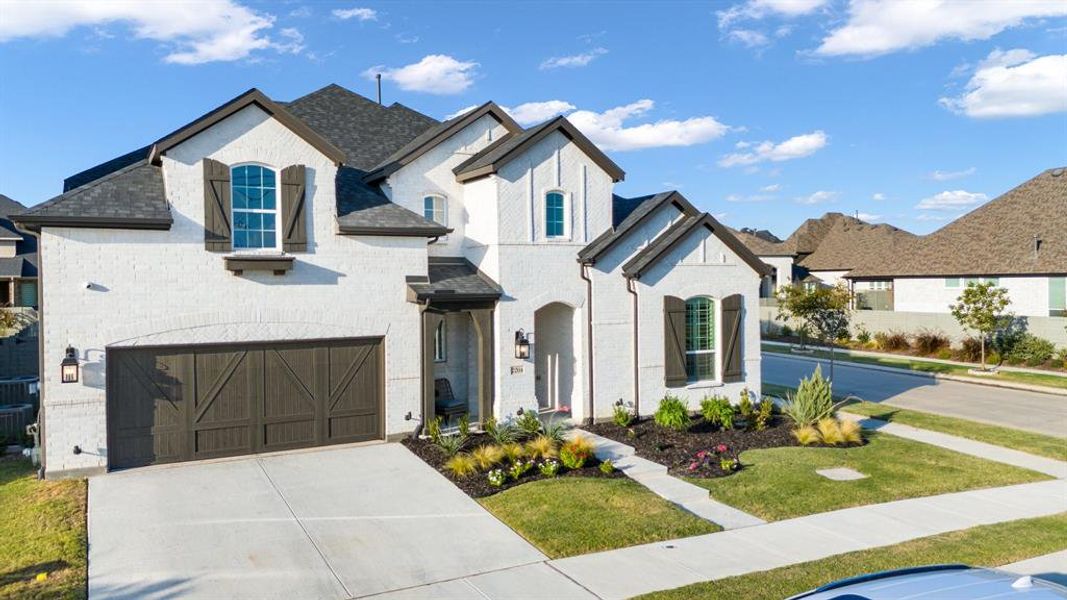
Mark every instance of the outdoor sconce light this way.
pixel 522 345
pixel 69 367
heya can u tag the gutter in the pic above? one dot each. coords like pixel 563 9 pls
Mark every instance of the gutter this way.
pixel 423 307
pixel 583 272
pixel 631 287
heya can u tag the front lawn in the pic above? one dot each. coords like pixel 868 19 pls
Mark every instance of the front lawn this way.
pixel 569 516
pixel 1024 441
pixel 781 483
pixel 987 545
pixel 42 531
pixel 927 366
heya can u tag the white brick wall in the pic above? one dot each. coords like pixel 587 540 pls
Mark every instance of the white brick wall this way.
pixel 162 286
pixel 1029 295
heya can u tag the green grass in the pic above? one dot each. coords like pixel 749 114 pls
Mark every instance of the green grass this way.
pixel 574 515
pixel 42 530
pixel 987 545
pixel 926 366
pixel 781 483
pixel 1024 441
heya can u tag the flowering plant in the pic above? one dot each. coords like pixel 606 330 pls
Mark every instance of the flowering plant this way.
pixel 549 467
pixel 496 477
pixel 721 456
pixel 520 468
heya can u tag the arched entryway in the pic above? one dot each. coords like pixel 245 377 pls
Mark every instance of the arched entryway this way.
pixel 555 357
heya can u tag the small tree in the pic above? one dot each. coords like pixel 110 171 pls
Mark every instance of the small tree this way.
pixel 824 310
pixel 980 308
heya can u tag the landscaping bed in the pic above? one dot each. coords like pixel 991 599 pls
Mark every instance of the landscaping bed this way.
pixel 678 450
pixel 477 485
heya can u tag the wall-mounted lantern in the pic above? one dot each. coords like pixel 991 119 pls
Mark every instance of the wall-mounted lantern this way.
pixel 69 367
pixel 522 345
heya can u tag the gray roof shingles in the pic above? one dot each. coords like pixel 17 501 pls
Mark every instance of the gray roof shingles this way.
pixel 362 208
pixel 24 263
pixel 132 194
pixel 626 214
pixel 455 278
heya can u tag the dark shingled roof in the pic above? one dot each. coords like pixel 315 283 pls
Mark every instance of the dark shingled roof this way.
pixel 647 256
pixel 94 173
pixel 131 197
pixel 9 207
pixel 496 155
pixel 761 246
pixel 851 243
pixel 24 263
pixel 999 238
pixel 628 213
pixel 363 209
pixel 455 278
pixel 366 131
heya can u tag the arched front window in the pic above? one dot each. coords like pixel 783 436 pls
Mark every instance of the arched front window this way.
pixel 700 335
pixel 555 215
pixel 435 208
pixel 255 207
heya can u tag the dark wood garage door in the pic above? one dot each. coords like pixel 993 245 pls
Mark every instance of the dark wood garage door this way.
pixel 179 403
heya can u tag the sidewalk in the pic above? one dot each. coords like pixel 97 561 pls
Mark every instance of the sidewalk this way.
pixel 665 565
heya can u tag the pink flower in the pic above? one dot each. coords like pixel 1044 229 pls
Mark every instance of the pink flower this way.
pixel 702 454
pixel 693 466
pixel 721 448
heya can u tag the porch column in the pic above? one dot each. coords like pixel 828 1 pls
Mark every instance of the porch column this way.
pixel 483 325
pixel 430 321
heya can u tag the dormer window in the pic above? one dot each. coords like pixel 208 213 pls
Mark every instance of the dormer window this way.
pixel 555 215
pixel 435 208
pixel 255 207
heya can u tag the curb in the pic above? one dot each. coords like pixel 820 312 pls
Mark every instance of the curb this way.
pixel 988 383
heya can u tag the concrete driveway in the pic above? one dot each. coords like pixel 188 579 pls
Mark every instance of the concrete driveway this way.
pixel 1031 411
pixel 329 523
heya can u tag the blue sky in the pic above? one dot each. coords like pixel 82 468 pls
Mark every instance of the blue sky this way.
pixel 762 112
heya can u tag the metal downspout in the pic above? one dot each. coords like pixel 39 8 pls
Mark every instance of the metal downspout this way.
pixel 583 272
pixel 631 287
pixel 423 307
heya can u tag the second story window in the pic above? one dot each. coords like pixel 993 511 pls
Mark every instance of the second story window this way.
pixel 255 207
pixel 555 215
pixel 435 208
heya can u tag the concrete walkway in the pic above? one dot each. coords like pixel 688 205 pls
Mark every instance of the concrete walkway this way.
pixel 653 476
pixel 665 565
pixel 1055 468
pixel 1030 411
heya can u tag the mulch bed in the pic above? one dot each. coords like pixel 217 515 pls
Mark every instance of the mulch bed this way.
pixel 678 449
pixel 477 485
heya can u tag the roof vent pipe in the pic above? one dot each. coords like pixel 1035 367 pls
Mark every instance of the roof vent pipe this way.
pixel 378 77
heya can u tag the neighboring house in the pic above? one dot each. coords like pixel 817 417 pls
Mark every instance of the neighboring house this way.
pixel 1017 240
pixel 281 275
pixel 18 259
pixel 821 251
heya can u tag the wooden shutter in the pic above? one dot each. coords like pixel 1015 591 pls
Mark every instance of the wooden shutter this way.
pixel 216 206
pixel 674 342
pixel 732 355
pixel 294 209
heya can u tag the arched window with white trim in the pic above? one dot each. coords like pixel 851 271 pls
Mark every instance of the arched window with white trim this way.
pixel 254 207
pixel 435 208
pixel 556 225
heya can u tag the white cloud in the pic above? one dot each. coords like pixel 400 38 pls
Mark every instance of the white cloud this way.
pixel 301 12
pixel 607 130
pixel 576 60
pixel 748 37
pixel 868 217
pixel 720 216
pixel 795 147
pixel 749 198
pixel 1014 83
pixel 758 9
pixel 294 41
pixel 464 110
pixel 933 217
pixel 950 175
pixel 878 196
pixel 819 197
pixel 434 74
pixel 536 112
pixel 951 200
pixel 774 187
pixel 360 14
pixel 406 38
pixel 193 32
pixel 877 27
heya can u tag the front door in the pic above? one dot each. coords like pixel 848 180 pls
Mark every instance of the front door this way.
pixel 554 356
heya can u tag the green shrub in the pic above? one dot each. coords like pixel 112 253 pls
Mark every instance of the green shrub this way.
pixel 541 446
pixel 464 425
pixel 554 430
pixel 929 342
pixel 813 400
pixel 451 444
pixel 576 452
pixel 894 341
pixel 622 416
pixel 496 477
pixel 673 413
pixel 944 354
pixel 462 465
pixel 830 431
pixel 519 468
pixel 744 406
pixel 717 410
pixel 529 423
pixel 763 417
pixel 487 456
pixel 851 432
pixel 970 350
pixel 862 335
pixel 807 435
pixel 607 467
pixel 433 430
pixel 502 433
pixel 1031 350
pixel 513 452
pixel 786 331
pixel 549 467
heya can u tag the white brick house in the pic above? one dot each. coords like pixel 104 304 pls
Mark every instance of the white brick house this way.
pixel 275 275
